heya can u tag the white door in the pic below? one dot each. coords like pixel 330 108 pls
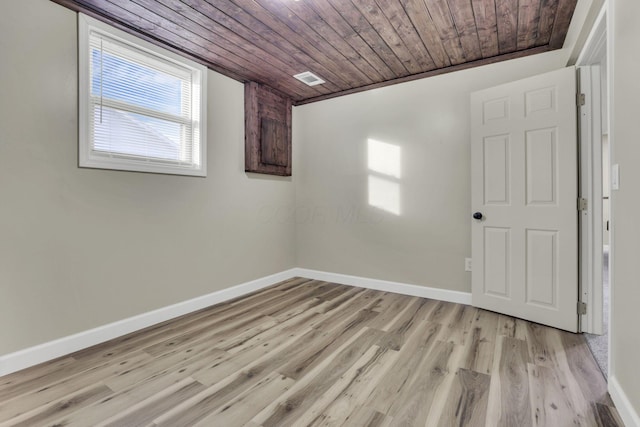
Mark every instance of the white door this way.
pixel 524 185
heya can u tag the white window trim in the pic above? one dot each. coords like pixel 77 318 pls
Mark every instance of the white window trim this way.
pixel 86 157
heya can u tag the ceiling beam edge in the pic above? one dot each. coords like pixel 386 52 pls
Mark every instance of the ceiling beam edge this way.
pixel 431 73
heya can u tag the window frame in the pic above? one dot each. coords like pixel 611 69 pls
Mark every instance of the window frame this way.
pixel 89 158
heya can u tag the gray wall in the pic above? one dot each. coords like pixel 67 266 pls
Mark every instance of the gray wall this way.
pixel 81 248
pixel 428 121
pixel 625 203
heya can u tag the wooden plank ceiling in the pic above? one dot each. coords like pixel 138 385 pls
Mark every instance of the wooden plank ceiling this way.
pixel 353 45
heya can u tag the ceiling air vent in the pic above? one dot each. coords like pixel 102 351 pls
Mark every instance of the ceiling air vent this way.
pixel 309 78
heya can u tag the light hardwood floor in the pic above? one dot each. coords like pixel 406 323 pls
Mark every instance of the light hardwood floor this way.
pixel 315 353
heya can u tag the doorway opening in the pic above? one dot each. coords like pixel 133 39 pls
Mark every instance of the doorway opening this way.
pixel 599 343
pixel 595 187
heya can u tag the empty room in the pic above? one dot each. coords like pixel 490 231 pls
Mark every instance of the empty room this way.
pixel 319 213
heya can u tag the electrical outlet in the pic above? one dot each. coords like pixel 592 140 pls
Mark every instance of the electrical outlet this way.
pixel 467 264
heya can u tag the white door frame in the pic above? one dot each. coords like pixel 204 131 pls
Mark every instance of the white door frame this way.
pixel 591 63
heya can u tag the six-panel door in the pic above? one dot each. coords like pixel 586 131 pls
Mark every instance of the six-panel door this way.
pixel 524 182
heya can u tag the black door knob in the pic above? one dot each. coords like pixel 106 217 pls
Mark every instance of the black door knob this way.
pixel 477 215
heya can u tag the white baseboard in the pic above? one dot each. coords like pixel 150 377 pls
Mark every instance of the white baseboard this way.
pixel 627 412
pixel 22 359
pixel 387 286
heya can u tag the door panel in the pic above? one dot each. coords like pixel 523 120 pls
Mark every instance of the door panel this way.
pixel 541 161
pixel 524 182
pixel 542 268
pixel 497 242
pixel 496 165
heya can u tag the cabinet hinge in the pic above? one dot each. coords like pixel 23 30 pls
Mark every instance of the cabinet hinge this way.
pixel 582 308
pixel 582 204
pixel 581 99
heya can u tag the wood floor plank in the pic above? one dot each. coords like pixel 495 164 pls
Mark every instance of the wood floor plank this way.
pixel 404 325
pixel 335 292
pixel 65 405
pixel 390 307
pixel 547 349
pixel 251 363
pixel 212 333
pixel 467 400
pixel 26 401
pixel 350 294
pixel 585 369
pixel 144 411
pixel 607 416
pixel 287 408
pixel 182 363
pixel 118 402
pixel 509 403
pixel 550 405
pixel 197 407
pixel 359 378
pixel 442 312
pixel 365 416
pixel 506 326
pixel 397 379
pixel 271 336
pixel 480 342
pixel 293 352
pixel 9 383
pixel 414 403
pixel 460 324
pixel 309 352
pixel 317 345
pixel 478 352
pixel 362 301
pixel 240 410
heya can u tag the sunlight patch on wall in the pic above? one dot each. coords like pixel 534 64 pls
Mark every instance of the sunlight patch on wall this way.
pixel 383 162
pixel 384 158
pixel 384 194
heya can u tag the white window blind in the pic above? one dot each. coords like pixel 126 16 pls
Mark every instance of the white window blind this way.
pixel 141 109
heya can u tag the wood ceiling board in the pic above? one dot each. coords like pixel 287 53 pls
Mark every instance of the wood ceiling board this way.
pixel 399 20
pixel 346 32
pixel 561 23
pixel 362 26
pixel 507 18
pixel 315 21
pixel 528 23
pixel 487 25
pixel 201 23
pixel 548 9
pixel 306 39
pixel 441 15
pixel 465 24
pixel 372 12
pixel 210 33
pixel 235 19
pixel 421 20
pixel 353 45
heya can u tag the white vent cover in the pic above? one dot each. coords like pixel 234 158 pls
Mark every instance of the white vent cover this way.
pixel 309 78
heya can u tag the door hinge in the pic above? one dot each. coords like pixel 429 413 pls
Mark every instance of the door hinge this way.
pixel 581 99
pixel 582 308
pixel 582 204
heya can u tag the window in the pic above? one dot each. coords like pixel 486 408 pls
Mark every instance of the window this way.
pixel 142 108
